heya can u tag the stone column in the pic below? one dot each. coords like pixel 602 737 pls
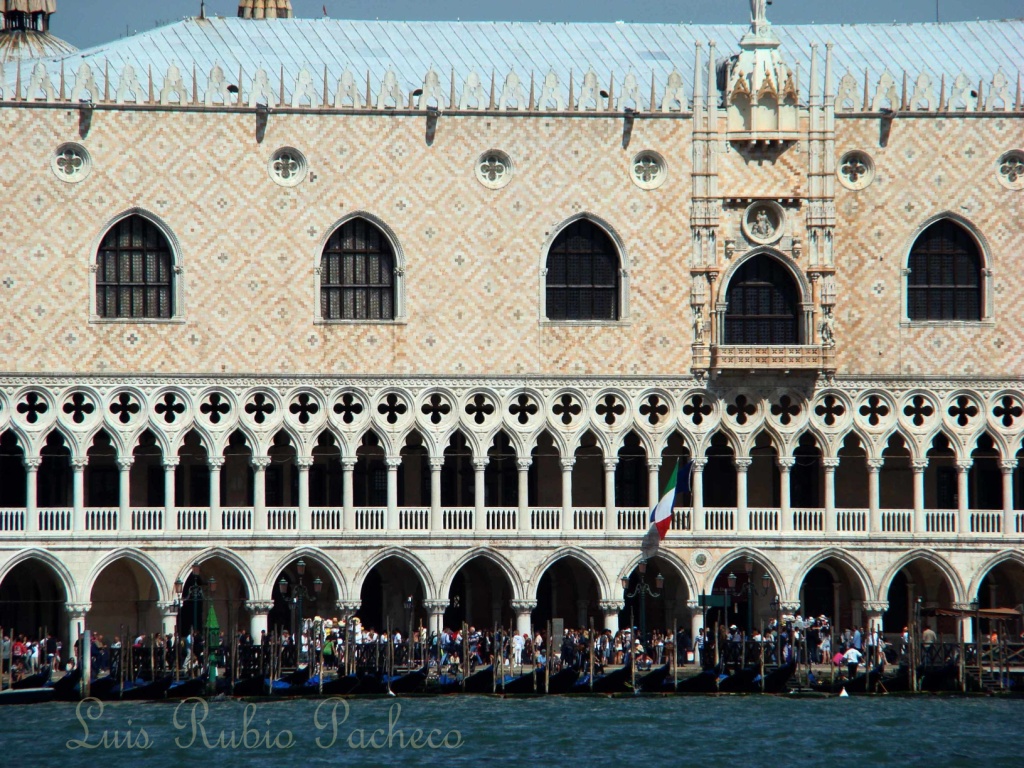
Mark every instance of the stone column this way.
pixel 168 618
pixel 523 610
pixel 874 497
pixel 258 610
pixel 170 510
pixel 436 609
pixel 216 463
pixel 611 512
pixel 348 515
pixel 830 466
pixel 32 465
pixel 479 494
pixel 742 515
pixel 696 623
pixel 78 494
pixel 259 512
pixel 567 521
pixel 699 523
pixel 393 463
pixel 124 496
pixel 653 495
pixel 873 612
pixel 1007 468
pixel 305 518
pixel 966 622
pixel 786 464
pixel 436 515
pixel 611 609
pixel 963 523
pixel 919 467
pixel 523 467
pixel 76 625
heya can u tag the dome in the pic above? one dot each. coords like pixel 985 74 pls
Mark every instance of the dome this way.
pixel 265 9
pixel 26 32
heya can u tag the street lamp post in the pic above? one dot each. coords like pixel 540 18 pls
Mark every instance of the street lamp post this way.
pixel 197 595
pixel 643 590
pixel 748 589
pixel 299 594
pixel 776 605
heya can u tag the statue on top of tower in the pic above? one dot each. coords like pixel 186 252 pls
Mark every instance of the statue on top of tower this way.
pixel 758 13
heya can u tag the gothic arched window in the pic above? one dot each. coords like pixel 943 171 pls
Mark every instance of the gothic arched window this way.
pixel 582 281
pixel 944 281
pixel 357 274
pixel 134 272
pixel 763 304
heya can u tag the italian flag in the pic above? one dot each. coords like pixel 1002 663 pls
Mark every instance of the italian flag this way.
pixel 661 515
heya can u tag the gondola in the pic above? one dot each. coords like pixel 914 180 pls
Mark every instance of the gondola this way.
pixel 654 681
pixel 744 680
pixel 414 681
pixel 935 679
pixel 68 688
pixel 37 680
pixel 703 682
pixel 183 689
pixel 27 695
pixel 337 686
pixel 151 691
pixel 617 681
pixel 102 686
pixel 298 677
pixel 481 681
pixel 562 681
pixel 777 681
pixel 531 682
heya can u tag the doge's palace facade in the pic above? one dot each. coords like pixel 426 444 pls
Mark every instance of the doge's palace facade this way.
pixel 446 333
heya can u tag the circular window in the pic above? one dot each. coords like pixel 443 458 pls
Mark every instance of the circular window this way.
pixel 764 222
pixel 71 163
pixel 287 167
pixel 648 170
pixel 855 170
pixel 1010 169
pixel 494 169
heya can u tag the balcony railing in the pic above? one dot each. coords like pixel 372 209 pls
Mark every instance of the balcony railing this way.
pixel 511 521
pixel 758 357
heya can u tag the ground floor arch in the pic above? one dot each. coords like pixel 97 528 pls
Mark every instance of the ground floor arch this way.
pixel 745 594
pixel 124 602
pixel 32 601
pixel 569 590
pixel 915 590
pixel 832 587
pixel 480 595
pixel 665 609
pixel 385 596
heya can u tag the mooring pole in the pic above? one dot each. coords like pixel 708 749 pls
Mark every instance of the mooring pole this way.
pixel 86 663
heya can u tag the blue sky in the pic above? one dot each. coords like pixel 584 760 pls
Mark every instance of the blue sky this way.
pixel 90 22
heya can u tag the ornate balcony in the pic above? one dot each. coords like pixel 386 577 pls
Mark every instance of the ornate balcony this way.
pixel 796 357
pixel 509 522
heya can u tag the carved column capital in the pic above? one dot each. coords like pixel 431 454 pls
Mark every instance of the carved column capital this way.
pixel 874 465
pixel 348 463
pixel 125 463
pixel 567 464
pixel 963 607
pixel 79 465
pixel 699 463
pixel 786 463
pixel 259 606
pixel 436 607
pixel 168 608
pixel 260 463
pixel 304 462
pixel 33 463
pixel 171 462
pixel 830 464
pixel 393 463
pixel 436 464
pixel 610 464
pixel 524 464
pixel 742 463
pixel 654 463
pixel 523 606
pixel 1007 467
pixel 872 606
pixel 480 464
pixel 790 606
pixel 693 605
pixel 348 607
pixel 77 610
pixel 964 465
pixel 919 465
pixel 215 462
pixel 611 606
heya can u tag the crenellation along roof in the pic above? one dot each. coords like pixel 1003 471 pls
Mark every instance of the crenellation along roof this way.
pixel 977 49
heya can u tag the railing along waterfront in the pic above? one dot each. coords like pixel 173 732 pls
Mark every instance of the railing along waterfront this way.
pixel 510 521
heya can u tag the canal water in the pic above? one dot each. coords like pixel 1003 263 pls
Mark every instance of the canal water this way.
pixel 666 732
